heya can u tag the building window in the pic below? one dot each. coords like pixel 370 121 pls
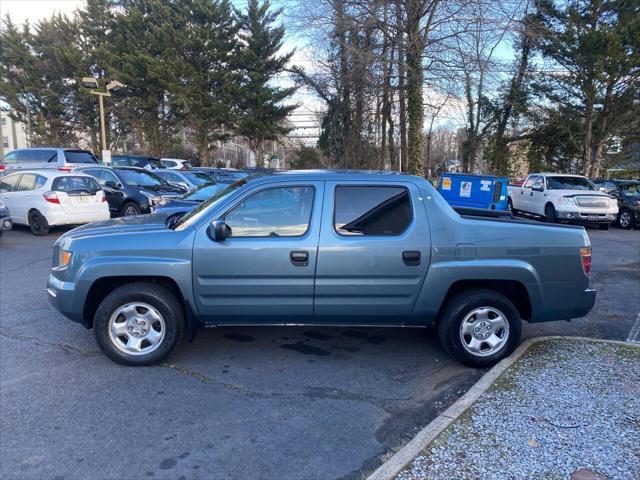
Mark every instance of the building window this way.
pixel 5 142
pixel 4 121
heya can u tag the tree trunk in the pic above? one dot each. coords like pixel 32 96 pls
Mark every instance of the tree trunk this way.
pixel 414 90
pixel 402 113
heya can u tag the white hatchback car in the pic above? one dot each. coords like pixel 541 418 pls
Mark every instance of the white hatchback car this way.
pixel 46 198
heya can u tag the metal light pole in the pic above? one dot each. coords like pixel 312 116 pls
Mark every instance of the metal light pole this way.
pixel 92 84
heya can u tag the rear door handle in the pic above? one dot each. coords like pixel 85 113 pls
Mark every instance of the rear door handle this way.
pixel 299 258
pixel 411 258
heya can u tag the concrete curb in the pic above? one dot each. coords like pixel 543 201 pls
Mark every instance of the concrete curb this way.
pixel 389 469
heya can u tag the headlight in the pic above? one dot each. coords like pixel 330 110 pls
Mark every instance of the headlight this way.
pixel 567 201
pixel 64 258
pixel 154 200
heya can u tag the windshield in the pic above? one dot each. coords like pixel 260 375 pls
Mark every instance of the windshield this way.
pixel 197 178
pixel 630 189
pixel 569 183
pixel 138 178
pixel 204 192
pixel 194 214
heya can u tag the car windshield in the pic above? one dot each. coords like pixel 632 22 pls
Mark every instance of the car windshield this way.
pixel 197 178
pixel 569 183
pixel 630 189
pixel 194 214
pixel 204 192
pixel 138 178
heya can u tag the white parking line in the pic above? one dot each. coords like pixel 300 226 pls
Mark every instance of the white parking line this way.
pixel 634 334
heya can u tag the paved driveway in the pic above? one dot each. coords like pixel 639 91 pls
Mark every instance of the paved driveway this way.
pixel 252 402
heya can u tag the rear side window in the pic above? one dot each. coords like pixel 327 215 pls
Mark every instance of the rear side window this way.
pixel 372 210
pixel 31 181
pixel 37 156
pixel 79 156
pixel 9 182
pixel 75 184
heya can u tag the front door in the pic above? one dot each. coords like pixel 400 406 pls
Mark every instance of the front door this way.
pixel 373 255
pixel 264 271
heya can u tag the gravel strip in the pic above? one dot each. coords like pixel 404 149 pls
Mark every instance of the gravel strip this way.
pixel 567 409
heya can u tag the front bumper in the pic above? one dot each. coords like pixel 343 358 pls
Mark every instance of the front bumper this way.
pixel 62 297
pixel 5 222
pixel 586 217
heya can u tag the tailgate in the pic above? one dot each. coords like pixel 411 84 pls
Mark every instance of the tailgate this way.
pixel 78 194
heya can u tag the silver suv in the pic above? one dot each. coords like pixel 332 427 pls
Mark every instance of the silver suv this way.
pixel 45 157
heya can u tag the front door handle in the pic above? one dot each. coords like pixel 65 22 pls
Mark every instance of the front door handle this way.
pixel 299 258
pixel 411 258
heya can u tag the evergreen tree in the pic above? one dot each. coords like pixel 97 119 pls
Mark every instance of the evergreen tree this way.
pixel 208 43
pixel 260 106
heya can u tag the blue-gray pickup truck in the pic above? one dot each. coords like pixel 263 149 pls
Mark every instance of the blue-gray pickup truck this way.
pixel 321 248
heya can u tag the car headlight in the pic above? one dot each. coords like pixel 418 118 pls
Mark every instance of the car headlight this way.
pixel 154 200
pixel 567 201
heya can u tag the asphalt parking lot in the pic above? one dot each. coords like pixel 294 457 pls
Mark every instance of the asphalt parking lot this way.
pixel 285 403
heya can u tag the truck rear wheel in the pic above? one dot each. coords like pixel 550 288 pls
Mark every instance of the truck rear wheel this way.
pixel 138 324
pixel 479 327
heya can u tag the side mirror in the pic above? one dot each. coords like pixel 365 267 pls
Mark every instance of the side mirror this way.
pixel 111 184
pixel 537 189
pixel 219 231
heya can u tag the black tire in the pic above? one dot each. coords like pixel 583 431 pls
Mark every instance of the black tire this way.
pixel 550 213
pixel 130 209
pixel 604 226
pixel 158 297
pixel 38 223
pixel 459 307
pixel 510 206
pixel 626 219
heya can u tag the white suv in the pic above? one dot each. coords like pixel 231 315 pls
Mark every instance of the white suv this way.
pixel 175 164
pixel 46 198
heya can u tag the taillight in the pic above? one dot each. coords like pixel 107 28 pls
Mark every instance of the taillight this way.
pixel 585 255
pixel 104 199
pixel 1 168
pixel 51 197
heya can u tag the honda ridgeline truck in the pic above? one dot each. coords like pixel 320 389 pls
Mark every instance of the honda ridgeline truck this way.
pixel 320 248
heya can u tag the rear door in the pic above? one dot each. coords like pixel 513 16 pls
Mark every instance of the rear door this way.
pixel 25 194
pixel 78 194
pixel 374 253
pixel 263 272
pixel 9 195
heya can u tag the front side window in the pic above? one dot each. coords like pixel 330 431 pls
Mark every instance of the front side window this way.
pixel 274 212
pixel 371 210
pixel 539 183
pixel 630 189
pixel 8 183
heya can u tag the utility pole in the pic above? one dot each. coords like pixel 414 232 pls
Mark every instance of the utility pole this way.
pixel 92 84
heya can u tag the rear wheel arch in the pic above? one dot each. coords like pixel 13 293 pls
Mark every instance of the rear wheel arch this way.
pixel 514 290
pixel 104 286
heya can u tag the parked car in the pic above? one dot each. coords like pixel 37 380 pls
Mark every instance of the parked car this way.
pixel 186 179
pixel 63 159
pixel 5 218
pixel 132 191
pixel 627 193
pixel 175 163
pixel 148 163
pixel 349 249
pixel 47 198
pixel 191 200
pixel 223 175
pixel 563 198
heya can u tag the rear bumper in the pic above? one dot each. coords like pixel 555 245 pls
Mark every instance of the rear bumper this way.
pixel 63 218
pixel 565 304
pixel 586 302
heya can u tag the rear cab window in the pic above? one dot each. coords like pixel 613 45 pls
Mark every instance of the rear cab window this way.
pixel 376 210
pixel 79 156
pixel 75 184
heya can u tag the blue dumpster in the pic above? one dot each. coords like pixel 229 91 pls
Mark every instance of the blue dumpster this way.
pixel 474 191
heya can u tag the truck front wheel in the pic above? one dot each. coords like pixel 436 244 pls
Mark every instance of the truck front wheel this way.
pixel 550 213
pixel 138 323
pixel 479 327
